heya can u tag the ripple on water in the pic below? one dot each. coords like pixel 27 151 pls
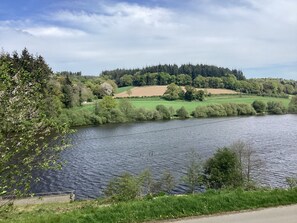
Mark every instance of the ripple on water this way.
pixel 100 153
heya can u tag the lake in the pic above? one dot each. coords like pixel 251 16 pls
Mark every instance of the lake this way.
pixel 100 153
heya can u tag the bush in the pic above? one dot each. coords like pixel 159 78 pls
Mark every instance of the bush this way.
pixel 165 113
pixel 222 110
pixel 182 113
pixel 292 182
pixel 276 108
pixel 141 114
pixel 200 112
pixel 222 170
pixel 216 110
pixel 231 109
pixel 77 118
pixel 293 105
pixel 193 177
pixel 259 106
pixel 123 188
pixel 245 109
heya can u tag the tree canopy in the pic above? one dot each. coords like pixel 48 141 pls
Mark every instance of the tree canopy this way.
pixel 28 119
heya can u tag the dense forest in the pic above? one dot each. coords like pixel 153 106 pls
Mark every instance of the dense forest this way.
pixel 173 70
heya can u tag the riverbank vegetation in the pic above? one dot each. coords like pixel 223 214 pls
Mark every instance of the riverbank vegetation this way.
pixel 152 109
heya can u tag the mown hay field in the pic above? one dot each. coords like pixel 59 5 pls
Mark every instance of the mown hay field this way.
pixel 151 91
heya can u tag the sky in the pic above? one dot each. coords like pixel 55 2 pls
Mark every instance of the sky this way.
pixel 258 37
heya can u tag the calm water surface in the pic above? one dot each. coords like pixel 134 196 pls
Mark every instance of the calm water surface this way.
pixel 100 153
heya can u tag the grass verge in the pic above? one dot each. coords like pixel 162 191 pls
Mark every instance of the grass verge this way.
pixel 167 207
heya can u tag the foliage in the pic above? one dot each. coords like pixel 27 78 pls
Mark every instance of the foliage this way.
pixel 250 165
pixel 127 109
pixel 202 76
pixel 184 74
pixel 292 182
pixel 259 106
pixel 223 110
pixel 293 105
pixel 164 112
pixel 27 121
pixel 107 104
pixel 123 188
pixel 68 93
pixel 194 172
pixel 222 170
pixel 190 93
pixel 126 80
pixel 182 113
pixel 128 187
pixel 173 92
pixel 167 182
pixel 276 108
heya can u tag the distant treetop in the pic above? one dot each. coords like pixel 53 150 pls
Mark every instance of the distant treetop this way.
pixel 173 69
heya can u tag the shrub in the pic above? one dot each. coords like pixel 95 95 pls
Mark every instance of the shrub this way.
pixel 216 110
pixel 182 113
pixel 193 177
pixel 276 107
pixel 245 109
pixel 141 114
pixel 259 106
pixel 123 188
pixel 222 170
pixel 165 113
pixel 293 105
pixel 200 112
pixel 231 109
pixel 292 182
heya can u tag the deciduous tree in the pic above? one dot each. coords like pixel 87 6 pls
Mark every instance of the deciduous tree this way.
pixel 25 123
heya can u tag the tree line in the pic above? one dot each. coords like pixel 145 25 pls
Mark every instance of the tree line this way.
pixel 173 70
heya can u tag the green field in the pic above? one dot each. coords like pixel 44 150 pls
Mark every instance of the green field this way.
pixel 151 103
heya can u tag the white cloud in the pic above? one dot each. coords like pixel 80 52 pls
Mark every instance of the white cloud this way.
pixel 242 35
pixel 52 31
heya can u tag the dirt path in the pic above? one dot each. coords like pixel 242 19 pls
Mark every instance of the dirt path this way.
pixel 285 214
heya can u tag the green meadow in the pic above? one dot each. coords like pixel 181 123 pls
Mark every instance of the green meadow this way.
pixel 152 102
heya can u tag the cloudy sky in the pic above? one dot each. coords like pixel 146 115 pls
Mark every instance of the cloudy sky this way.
pixel 258 37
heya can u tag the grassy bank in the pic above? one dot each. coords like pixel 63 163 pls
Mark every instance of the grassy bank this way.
pixel 170 207
pixel 151 103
